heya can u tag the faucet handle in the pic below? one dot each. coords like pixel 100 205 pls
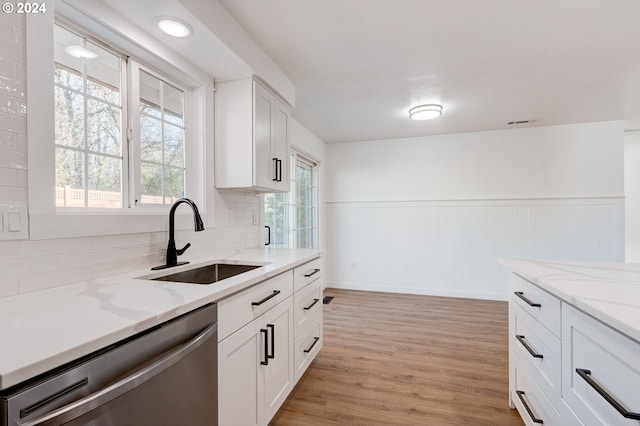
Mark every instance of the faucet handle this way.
pixel 183 249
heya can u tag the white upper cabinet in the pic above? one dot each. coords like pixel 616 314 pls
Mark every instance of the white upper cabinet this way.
pixel 252 137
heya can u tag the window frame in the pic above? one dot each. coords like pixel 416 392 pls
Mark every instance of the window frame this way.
pixel 46 221
pixel 291 204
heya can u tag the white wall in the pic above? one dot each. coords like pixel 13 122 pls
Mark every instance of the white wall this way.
pixel 33 265
pixel 632 195
pixel 433 214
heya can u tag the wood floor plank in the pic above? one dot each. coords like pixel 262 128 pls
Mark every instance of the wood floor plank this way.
pixel 404 360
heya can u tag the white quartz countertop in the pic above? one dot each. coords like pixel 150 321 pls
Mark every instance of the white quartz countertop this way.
pixel 610 292
pixel 46 329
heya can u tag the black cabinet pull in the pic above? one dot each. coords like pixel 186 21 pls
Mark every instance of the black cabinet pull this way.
pixel 306 308
pixel 527 347
pixel 315 340
pixel 279 166
pixel 526 407
pixel 586 375
pixel 275 170
pixel 266 349
pixel 315 271
pixel 271 296
pixel 268 235
pixel 272 327
pixel 527 301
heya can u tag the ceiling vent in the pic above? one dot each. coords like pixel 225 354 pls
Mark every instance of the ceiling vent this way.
pixel 512 123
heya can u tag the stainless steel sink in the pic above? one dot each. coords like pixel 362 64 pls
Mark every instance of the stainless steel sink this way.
pixel 207 274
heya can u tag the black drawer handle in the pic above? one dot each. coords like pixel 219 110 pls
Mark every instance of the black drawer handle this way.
pixel 266 347
pixel 586 375
pixel 271 296
pixel 315 340
pixel 527 301
pixel 526 407
pixel 315 271
pixel 272 327
pixel 306 308
pixel 527 347
pixel 275 170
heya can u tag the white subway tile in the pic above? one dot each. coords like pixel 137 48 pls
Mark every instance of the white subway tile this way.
pixel 13 195
pixel 19 35
pixel 13 159
pixel 7 141
pixel 9 250
pixel 12 87
pixel 9 287
pixel 21 143
pixel 13 123
pixel 21 178
pixel 49 247
pixel 19 267
pixel 117 241
pixel 43 281
pixel 7 68
pixel 8 177
pixel 20 72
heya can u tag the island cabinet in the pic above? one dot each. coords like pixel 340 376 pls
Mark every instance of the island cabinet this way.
pixel 252 131
pixel 565 366
pixel 268 335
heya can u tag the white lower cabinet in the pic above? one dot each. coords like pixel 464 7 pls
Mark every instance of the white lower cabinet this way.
pixel 268 335
pixel 535 356
pixel 600 371
pixel 255 368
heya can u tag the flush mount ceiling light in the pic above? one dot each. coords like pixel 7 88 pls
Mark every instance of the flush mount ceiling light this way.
pixel 174 27
pixel 80 52
pixel 425 112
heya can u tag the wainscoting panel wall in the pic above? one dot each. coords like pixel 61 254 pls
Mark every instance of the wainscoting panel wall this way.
pixel 451 248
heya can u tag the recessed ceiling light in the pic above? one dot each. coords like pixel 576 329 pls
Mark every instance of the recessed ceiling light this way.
pixel 425 112
pixel 174 27
pixel 80 52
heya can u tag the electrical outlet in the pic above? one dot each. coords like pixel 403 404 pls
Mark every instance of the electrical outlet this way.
pixel 14 222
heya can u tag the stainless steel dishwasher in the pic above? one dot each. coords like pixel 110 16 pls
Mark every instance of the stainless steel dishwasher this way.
pixel 163 376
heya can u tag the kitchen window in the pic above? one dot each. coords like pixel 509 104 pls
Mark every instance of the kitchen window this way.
pixel 92 97
pixel 291 218
pixel 117 131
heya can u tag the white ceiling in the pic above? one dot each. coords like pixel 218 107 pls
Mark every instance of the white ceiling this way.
pixel 359 65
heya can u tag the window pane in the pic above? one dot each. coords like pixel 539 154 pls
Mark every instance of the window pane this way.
pixel 104 128
pixel 68 78
pixel 63 39
pixel 174 184
pixel 69 178
pixel 174 104
pixel 105 181
pixel 151 182
pixel 103 75
pixel 174 150
pixel 161 140
pixel 150 140
pixel 69 118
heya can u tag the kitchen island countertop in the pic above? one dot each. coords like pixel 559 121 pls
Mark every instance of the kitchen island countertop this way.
pixel 609 292
pixel 43 330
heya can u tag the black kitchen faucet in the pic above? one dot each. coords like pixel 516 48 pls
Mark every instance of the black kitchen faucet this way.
pixel 172 252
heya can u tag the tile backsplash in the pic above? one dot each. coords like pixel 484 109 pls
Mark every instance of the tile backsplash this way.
pixel 27 266
pixel 13 111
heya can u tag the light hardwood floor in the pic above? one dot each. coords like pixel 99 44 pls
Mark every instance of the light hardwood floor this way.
pixel 396 359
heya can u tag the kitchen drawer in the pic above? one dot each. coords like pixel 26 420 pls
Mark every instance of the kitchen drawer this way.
pixel 611 361
pixel 537 406
pixel 538 349
pixel 541 305
pixel 307 273
pixel 243 307
pixel 307 346
pixel 307 305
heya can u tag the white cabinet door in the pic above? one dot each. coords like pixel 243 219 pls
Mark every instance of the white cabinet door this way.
pixel 280 146
pixel 279 373
pixel 264 163
pixel 240 388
